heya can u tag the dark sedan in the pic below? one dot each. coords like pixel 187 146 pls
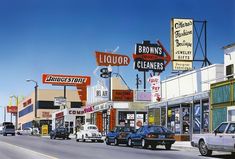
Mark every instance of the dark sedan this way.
pixel 151 135
pixel 118 135
pixel 59 133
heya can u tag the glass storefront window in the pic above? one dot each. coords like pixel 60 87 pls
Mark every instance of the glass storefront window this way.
pixel 196 118
pixel 205 117
pixel 173 119
pixel 186 120
pixel 127 118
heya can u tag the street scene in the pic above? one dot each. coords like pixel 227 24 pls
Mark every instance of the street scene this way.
pixel 117 79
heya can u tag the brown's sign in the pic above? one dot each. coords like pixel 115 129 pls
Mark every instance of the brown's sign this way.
pixel 65 79
pixel 122 95
pixel 106 59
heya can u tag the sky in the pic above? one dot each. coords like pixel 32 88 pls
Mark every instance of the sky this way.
pixel 61 36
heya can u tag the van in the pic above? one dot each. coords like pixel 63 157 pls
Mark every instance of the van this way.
pixel 8 129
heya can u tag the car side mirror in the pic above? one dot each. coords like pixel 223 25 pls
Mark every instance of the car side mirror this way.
pixel 215 132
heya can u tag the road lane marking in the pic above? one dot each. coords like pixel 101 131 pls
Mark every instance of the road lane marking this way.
pixel 34 152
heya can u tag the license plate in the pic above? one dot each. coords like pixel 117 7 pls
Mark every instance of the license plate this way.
pixel 161 136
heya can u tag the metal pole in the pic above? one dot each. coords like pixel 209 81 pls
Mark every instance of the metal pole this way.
pixel 4 113
pixel 137 82
pixel 17 102
pixel 110 74
pixel 36 99
pixel 11 117
pixel 206 61
pixel 144 80
pixel 64 94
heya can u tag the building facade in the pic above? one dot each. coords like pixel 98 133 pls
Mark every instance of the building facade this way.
pixel 45 107
pixel 184 107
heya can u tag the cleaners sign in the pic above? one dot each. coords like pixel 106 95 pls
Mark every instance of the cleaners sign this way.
pixel 65 80
pixel 150 57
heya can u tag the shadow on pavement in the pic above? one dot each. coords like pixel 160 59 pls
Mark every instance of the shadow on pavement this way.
pixel 227 156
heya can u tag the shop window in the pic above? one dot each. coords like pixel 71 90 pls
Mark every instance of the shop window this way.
pixel 76 104
pixel 173 116
pixel 205 117
pixel 47 105
pixel 186 121
pixel 196 118
pixel 229 71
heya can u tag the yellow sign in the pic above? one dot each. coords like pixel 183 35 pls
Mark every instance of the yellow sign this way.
pixel 44 129
pixel 151 120
pixel 182 65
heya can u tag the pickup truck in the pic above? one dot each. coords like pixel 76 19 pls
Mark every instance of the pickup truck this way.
pixel 222 139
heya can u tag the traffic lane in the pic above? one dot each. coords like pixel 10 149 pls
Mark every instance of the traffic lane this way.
pixel 72 149
pixel 10 151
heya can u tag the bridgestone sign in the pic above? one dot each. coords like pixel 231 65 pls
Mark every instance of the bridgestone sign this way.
pixel 65 79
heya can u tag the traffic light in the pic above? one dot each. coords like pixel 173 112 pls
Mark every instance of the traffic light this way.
pixel 104 73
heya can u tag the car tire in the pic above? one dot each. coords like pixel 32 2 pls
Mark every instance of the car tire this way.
pixel 100 141
pixel 13 134
pixel 54 137
pixel 116 142
pixel 168 146
pixel 50 137
pixel 143 144
pixel 203 149
pixel 4 134
pixel 107 141
pixel 83 140
pixel 77 140
pixel 129 142
pixel 153 146
pixel 92 140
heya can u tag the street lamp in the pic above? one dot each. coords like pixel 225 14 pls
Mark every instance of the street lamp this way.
pixel 36 95
pixel 17 103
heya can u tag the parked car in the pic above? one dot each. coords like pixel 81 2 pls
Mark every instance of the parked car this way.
pixel 222 139
pixel 89 132
pixel 118 135
pixel 28 131
pixel 8 129
pixel 60 132
pixel 151 135
pixel 3 124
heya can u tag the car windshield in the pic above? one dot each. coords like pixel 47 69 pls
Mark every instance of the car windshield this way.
pixel 92 127
pixel 155 129
pixel 10 126
pixel 166 130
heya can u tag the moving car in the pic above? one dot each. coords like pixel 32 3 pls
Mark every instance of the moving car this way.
pixel 222 139
pixel 8 129
pixel 151 135
pixel 118 135
pixel 60 132
pixel 89 132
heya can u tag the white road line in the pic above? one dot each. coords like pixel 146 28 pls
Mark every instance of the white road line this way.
pixel 31 151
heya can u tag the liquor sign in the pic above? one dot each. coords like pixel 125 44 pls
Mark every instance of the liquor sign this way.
pixel 106 59
pixel 11 109
pixel 150 57
pixel 65 80
pixel 182 43
pixel 156 88
pixel 122 95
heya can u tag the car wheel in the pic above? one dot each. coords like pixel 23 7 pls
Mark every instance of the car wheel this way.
pixel 143 144
pixel 116 142
pixel 77 140
pixel 168 146
pixel 203 149
pixel 13 134
pixel 83 140
pixel 101 141
pixel 54 137
pixel 129 142
pixel 153 146
pixel 50 137
pixel 4 134
pixel 107 141
pixel 92 140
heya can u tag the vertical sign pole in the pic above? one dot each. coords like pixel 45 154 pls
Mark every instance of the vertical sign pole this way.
pixel 137 82
pixel 144 81
pixel 64 94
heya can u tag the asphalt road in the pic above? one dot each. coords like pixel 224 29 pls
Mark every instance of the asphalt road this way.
pixel 31 147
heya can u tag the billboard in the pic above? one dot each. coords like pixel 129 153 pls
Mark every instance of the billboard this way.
pixel 65 80
pixel 182 43
pixel 11 109
pixel 122 95
pixel 106 59
pixel 155 88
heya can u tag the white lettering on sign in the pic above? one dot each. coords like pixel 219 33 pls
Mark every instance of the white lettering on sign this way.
pixel 149 50
pixel 114 60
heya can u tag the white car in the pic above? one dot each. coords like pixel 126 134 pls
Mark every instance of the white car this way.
pixel 89 132
pixel 28 131
pixel 222 139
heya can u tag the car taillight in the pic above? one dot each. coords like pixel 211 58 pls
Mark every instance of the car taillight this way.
pixel 151 136
pixel 171 136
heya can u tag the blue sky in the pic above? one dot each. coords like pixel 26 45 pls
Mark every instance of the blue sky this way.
pixel 60 36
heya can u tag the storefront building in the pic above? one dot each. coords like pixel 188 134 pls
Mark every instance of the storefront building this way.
pixel 45 102
pixel 223 93
pixel 70 118
pixel 185 103
pixel 127 107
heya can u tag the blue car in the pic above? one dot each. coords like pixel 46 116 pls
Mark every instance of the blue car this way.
pixel 118 135
pixel 151 135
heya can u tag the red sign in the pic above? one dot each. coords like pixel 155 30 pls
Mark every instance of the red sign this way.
pixel 11 109
pixel 59 115
pixel 29 101
pixel 88 109
pixel 66 80
pixel 122 95
pixel 106 59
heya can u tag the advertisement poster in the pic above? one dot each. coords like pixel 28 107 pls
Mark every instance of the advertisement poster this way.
pixel 139 120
